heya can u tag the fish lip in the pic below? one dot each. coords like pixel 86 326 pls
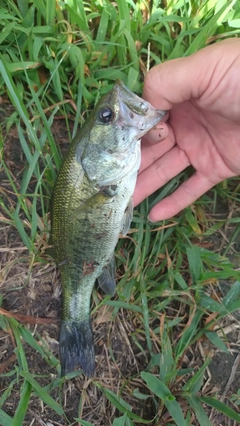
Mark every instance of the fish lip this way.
pixel 135 111
pixel 140 106
pixel 127 117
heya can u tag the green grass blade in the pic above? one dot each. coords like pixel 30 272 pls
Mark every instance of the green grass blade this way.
pixel 28 337
pixel 145 310
pixel 6 420
pixel 194 384
pixel 17 102
pixel 196 405
pixel 188 335
pixel 50 11
pixel 195 262
pixel 84 423
pixel 167 365
pixel 122 406
pixel 23 404
pixel 124 13
pixel 212 305
pixel 209 28
pixel 77 13
pixel 103 26
pixel 121 421
pixel 216 341
pixel 7 392
pixel 19 349
pixel 175 411
pixel 42 393
pixel 21 230
pixel 222 408
pixel 132 49
pixel 232 295
pixel 162 391
pixel 157 386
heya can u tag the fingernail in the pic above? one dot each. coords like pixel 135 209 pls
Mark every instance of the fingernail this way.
pixel 152 221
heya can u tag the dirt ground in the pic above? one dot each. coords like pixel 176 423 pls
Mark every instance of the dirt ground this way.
pixel 36 292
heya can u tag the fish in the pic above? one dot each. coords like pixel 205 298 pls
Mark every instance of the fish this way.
pixel 91 206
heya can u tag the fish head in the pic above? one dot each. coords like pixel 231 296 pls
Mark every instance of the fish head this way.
pixel 116 125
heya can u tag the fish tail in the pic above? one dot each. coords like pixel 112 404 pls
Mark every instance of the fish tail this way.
pixel 77 347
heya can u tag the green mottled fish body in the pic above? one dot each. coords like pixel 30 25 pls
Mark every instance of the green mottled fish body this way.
pixel 91 207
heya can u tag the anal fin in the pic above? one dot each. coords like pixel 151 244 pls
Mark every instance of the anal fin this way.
pixel 106 280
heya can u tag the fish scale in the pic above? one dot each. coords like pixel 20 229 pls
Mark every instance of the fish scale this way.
pixel 91 207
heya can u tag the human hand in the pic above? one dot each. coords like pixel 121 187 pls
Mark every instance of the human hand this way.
pixel 202 92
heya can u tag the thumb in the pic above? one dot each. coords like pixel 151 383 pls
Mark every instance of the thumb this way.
pixel 179 80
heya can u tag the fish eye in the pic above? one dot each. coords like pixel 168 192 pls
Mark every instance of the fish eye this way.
pixel 105 115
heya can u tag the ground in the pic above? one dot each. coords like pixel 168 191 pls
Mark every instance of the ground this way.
pixel 35 292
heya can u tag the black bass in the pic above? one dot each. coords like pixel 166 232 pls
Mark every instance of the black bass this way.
pixel 92 205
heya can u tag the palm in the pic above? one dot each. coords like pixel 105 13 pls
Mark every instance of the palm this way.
pixel 209 140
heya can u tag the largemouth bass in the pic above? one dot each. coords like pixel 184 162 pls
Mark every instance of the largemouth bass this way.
pixel 92 205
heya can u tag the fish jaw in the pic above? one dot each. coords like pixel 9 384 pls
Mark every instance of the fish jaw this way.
pixel 136 113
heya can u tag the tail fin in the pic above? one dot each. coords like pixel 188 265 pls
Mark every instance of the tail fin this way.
pixel 77 347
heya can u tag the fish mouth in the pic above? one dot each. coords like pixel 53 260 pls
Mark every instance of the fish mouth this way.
pixel 135 112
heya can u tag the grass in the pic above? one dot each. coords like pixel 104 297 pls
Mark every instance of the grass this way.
pixel 56 60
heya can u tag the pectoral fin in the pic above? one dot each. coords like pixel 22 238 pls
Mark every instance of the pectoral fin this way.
pixel 106 280
pixel 96 200
pixel 127 219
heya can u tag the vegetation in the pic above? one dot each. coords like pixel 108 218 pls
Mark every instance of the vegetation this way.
pixel 56 61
